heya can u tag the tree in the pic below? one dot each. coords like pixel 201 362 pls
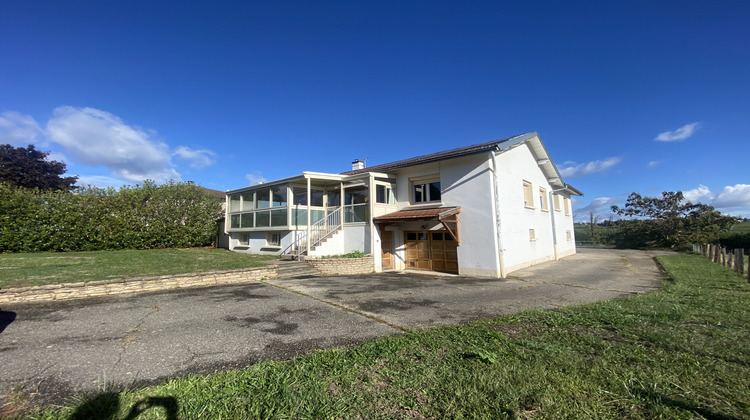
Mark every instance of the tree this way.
pixel 668 221
pixel 28 167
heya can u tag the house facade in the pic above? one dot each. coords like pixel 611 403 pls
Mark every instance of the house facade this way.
pixel 483 210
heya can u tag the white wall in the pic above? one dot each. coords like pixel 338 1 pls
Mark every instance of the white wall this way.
pixel 257 242
pixel 465 182
pixel 513 167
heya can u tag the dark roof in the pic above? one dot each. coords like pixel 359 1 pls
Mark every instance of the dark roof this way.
pixel 435 213
pixel 215 193
pixel 447 154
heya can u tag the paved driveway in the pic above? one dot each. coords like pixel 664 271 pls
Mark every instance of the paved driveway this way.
pixel 56 349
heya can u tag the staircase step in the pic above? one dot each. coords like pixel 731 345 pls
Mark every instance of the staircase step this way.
pixel 296 269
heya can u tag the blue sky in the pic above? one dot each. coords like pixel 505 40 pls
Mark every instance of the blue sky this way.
pixel 644 96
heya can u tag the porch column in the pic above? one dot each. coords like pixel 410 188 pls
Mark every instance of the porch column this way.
pixel 308 216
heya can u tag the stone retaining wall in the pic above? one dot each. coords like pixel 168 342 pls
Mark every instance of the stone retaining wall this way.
pixel 339 266
pixel 133 285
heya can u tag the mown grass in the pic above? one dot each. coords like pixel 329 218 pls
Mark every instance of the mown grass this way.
pixel 35 269
pixel 681 352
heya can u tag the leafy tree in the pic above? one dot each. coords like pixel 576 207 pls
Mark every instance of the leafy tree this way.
pixel 27 167
pixel 668 221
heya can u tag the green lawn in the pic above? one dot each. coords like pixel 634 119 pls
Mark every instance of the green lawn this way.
pixel 34 269
pixel 682 352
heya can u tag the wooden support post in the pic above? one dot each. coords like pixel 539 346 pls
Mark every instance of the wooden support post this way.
pixel 723 257
pixel 717 252
pixel 730 260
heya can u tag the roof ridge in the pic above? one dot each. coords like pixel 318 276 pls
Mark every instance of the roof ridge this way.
pixel 430 157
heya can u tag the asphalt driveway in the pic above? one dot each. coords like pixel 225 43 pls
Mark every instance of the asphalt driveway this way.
pixel 53 350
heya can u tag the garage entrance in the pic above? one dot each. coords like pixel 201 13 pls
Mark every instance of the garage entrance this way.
pixel 434 250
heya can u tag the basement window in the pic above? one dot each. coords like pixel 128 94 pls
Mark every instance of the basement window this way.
pixel 532 235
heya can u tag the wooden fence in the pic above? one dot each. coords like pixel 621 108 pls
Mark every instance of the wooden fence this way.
pixel 734 258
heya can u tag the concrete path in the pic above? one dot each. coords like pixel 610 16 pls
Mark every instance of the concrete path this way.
pixel 53 350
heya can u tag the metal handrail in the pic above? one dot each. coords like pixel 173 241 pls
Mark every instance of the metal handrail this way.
pixel 319 230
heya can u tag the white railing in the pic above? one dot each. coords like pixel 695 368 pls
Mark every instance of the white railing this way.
pixel 319 230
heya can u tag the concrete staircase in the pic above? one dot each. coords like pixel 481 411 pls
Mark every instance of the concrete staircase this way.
pixel 296 270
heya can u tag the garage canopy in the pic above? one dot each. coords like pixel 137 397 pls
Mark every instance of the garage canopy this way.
pixel 447 216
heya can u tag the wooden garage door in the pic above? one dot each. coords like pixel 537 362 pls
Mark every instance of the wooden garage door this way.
pixel 431 250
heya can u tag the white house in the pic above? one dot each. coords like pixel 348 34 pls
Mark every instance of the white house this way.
pixel 481 210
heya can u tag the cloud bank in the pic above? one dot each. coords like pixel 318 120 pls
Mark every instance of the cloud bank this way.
pixel 572 169
pixel 732 199
pixel 19 130
pixel 680 134
pixel 93 137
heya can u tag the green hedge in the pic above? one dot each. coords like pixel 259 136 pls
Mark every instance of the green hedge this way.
pixel 133 217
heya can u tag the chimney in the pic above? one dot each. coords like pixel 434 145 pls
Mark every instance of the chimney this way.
pixel 357 164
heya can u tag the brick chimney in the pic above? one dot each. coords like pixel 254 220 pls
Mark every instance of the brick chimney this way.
pixel 357 164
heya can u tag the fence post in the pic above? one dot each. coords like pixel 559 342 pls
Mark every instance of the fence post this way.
pixel 740 261
pixel 717 254
pixel 730 260
pixel 723 257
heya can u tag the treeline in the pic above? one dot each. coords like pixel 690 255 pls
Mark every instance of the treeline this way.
pixel 668 221
pixel 132 217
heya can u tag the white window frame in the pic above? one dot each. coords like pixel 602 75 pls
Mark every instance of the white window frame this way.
pixel 544 202
pixel 425 183
pixel 567 206
pixel 532 235
pixel 528 194
pixel 556 202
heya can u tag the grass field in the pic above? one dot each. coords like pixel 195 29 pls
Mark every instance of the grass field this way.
pixel 682 352
pixel 34 269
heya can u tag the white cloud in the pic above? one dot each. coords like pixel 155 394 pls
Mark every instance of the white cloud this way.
pixel 19 130
pixel 733 197
pixel 733 200
pixel 255 178
pixel 200 158
pixel 702 194
pixel 100 181
pixel 98 138
pixel 573 169
pixel 654 163
pixel 681 133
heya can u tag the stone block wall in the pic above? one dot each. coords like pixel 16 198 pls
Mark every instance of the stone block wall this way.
pixel 342 266
pixel 134 285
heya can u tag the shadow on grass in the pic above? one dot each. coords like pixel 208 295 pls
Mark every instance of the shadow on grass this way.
pixel 107 406
pixel 703 412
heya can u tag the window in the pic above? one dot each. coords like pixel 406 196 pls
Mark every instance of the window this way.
pixel 278 217
pixel 273 239
pixel 384 194
pixel 299 197
pixel 556 198
pixel 234 203
pixel 262 199
pixel 567 206
pixel 247 201
pixel 528 195
pixel 543 199
pixel 246 220
pixel 532 235
pixel 244 239
pixel 334 198
pixel 568 235
pixel 425 192
pixel 356 195
pixel 278 195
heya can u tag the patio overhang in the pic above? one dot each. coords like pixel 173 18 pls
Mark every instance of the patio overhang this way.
pixel 447 216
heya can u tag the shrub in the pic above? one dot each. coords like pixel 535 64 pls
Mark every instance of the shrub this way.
pixel 133 217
